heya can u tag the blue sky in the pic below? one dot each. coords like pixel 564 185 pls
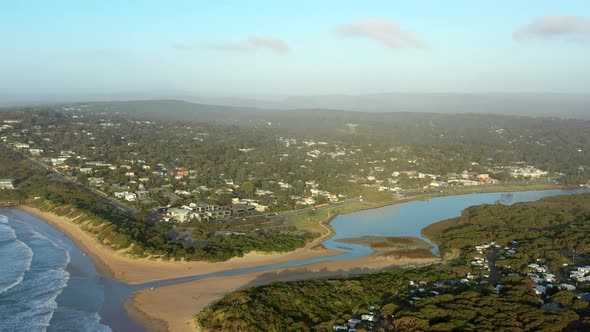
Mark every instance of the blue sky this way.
pixel 278 48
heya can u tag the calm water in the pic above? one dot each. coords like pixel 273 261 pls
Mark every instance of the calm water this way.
pixel 404 219
pixel 408 219
pixel 48 284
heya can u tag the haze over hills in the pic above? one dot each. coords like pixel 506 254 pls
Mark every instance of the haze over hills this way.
pixel 521 104
pixel 525 104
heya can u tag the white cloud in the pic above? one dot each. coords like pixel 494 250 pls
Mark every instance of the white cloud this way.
pixel 554 26
pixel 384 32
pixel 252 43
pixel 272 43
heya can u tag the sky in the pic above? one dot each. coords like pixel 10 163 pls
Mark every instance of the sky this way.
pixel 267 49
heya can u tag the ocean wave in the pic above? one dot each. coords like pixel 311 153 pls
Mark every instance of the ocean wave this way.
pixel 7 233
pixel 30 304
pixel 67 319
pixel 15 260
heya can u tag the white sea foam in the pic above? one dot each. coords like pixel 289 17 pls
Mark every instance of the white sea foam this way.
pixel 29 300
pixel 15 258
pixel 29 304
pixel 76 320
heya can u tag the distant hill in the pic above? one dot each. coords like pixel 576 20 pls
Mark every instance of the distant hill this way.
pixel 409 127
pixel 532 104
pixel 168 109
pixel 520 104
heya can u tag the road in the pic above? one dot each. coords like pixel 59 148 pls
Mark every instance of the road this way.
pixel 284 217
pixel 324 207
pixel 63 178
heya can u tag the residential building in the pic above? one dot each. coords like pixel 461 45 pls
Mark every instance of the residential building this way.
pixel 7 184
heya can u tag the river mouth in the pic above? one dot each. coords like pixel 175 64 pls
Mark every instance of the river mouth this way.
pixel 401 220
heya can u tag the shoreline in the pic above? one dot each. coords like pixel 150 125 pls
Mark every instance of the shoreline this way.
pixel 189 298
pixel 124 268
pixel 142 270
pixel 149 307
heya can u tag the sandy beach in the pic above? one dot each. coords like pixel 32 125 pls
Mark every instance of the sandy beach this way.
pixel 172 308
pixel 177 304
pixel 136 271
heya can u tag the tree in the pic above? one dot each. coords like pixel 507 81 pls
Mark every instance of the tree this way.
pixel 224 199
pixel 247 188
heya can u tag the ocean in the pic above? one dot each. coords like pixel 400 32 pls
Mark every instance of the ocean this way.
pixel 46 282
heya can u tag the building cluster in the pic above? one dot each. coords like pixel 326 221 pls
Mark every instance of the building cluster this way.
pixel 366 321
pixel 81 151
pixel 206 212
pixel 538 272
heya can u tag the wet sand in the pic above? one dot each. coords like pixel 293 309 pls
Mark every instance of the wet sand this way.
pixel 171 308
pixel 177 304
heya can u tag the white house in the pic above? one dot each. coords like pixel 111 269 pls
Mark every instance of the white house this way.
pixel 7 184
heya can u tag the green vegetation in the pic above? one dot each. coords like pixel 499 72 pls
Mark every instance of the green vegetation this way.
pixel 439 297
pixel 312 217
pixel 118 230
pixel 541 228
pixel 167 153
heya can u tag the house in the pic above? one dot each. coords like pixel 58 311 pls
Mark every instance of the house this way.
pixel 263 192
pixel 58 161
pixel 7 184
pixel 219 214
pixel 261 208
pixel 120 194
pixel 180 214
pixel 96 181
pixel 72 172
pixel 241 209
pixel 131 197
pixel 367 317
pixel 438 184
pixel 142 194
pixel 201 216
pixel 203 207
pixel 35 152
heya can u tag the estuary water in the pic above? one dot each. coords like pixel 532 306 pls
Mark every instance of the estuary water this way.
pixel 48 284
